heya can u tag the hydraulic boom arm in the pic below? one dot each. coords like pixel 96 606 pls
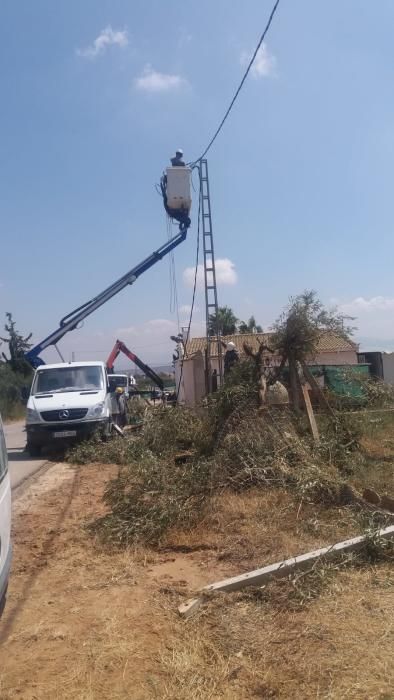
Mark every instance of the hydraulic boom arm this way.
pixel 148 371
pixel 71 321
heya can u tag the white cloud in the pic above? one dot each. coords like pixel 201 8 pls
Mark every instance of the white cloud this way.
pixel 264 65
pixel 374 320
pixel 225 274
pixel 153 81
pixel 360 304
pixel 188 276
pixel 107 37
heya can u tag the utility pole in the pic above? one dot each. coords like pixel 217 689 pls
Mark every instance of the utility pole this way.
pixel 211 295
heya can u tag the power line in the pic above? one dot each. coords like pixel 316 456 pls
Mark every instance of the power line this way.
pixel 194 288
pixel 216 134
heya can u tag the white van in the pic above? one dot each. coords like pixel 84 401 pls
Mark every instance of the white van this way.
pixel 5 521
pixel 68 401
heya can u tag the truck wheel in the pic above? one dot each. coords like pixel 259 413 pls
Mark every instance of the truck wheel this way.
pixel 107 432
pixel 34 450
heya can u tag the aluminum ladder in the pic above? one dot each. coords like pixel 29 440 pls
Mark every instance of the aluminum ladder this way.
pixel 211 294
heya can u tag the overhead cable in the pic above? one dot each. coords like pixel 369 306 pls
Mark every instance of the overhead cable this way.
pixel 216 134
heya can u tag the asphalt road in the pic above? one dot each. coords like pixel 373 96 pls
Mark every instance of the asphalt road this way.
pixel 21 466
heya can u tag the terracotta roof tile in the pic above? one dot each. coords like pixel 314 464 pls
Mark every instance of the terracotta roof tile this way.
pixel 329 342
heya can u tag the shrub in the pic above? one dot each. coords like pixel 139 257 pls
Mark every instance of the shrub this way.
pixel 11 384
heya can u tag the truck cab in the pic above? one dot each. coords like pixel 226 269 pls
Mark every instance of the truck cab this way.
pixel 68 401
pixel 119 380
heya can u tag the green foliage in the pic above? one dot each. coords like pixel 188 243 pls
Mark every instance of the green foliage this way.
pixel 114 451
pixel 149 496
pixel 11 384
pixel 249 326
pixel 17 347
pixel 370 391
pixel 299 328
pixel 168 430
pixel 339 440
pixel 226 321
pixel 238 391
pixel 230 445
pixel 15 372
pixel 229 324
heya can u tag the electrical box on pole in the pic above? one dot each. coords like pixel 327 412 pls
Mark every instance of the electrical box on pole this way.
pixel 211 295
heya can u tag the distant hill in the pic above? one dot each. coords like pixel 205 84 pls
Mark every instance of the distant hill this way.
pixel 168 369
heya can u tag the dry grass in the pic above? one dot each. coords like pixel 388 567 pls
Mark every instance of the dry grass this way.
pixel 90 622
pixel 376 469
pixel 236 450
pixel 249 529
pixel 335 646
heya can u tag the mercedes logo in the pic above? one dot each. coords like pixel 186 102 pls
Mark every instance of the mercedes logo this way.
pixel 64 414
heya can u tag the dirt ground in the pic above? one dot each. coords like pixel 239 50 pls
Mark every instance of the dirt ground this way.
pixel 88 623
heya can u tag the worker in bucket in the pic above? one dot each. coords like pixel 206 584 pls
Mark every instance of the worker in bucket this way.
pixel 177 161
pixel 231 357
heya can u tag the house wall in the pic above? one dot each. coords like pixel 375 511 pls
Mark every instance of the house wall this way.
pixel 388 367
pixel 348 357
pixel 192 387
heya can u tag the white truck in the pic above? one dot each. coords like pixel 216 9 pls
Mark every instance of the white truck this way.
pixel 68 401
pixel 119 380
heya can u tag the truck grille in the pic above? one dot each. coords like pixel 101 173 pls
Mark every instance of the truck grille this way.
pixel 64 414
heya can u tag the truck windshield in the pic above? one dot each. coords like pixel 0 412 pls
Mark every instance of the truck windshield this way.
pixel 67 379
pixel 120 381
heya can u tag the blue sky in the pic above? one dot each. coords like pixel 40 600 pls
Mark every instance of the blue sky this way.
pixel 96 95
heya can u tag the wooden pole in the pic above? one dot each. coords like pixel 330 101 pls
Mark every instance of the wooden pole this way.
pixel 320 394
pixel 307 404
pixel 310 413
pixel 259 577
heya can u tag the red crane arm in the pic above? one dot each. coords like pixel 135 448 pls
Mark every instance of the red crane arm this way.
pixel 148 371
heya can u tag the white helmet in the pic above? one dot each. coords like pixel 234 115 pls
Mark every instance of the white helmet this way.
pixel 179 152
pixel 230 346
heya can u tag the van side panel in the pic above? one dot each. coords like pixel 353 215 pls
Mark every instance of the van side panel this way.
pixel 5 539
pixel 5 518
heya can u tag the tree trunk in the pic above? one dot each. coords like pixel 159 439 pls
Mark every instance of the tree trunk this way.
pixel 294 384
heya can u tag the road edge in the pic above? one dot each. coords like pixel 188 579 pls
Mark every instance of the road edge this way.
pixel 20 488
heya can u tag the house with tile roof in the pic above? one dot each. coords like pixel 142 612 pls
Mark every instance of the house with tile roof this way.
pixel 333 350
